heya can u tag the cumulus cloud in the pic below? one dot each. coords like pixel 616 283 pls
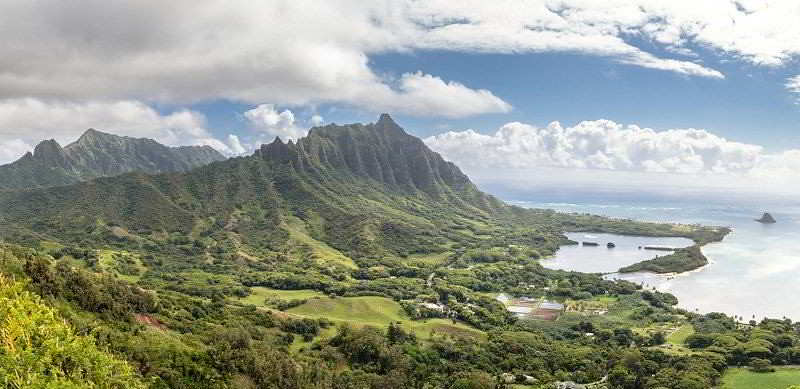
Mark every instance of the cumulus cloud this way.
pixel 604 153
pixel 427 95
pixel 599 144
pixel 236 146
pixel 24 122
pixel 266 118
pixel 291 52
pixel 316 120
pixel 11 149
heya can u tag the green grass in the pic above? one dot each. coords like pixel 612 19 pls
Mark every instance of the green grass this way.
pixel 379 312
pixel 49 245
pixel 431 259
pixel 679 337
pixel 258 294
pixel 742 378
pixel 324 333
pixel 298 233
pixel 106 262
pixel 438 327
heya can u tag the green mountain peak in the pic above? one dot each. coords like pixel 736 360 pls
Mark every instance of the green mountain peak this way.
pixel 99 154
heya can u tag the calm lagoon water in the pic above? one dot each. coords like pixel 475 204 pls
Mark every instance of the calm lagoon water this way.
pixel 600 259
pixel 754 272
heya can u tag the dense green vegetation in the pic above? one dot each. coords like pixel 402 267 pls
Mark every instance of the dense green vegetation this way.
pixel 684 259
pixel 38 350
pixel 354 258
pixel 97 154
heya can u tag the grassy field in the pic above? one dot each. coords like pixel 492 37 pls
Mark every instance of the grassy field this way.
pixel 258 294
pixel 299 234
pixel 679 337
pixel 742 378
pixel 379 312
pixel 431 259
pixel 108 260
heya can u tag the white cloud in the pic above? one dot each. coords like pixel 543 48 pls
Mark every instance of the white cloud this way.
pixel 316 120
pixel 25 122
pixel 602 152
pixel 588 27
pixel 793 86
pixel 236 145
pixel 300 52
pixel 599 144
pixel 291 52
pixel 266 118
pixel 427 95
pixel 11 149
pixel 759 32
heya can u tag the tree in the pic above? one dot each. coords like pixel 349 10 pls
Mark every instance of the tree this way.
pixel 760 365
pixel 658 338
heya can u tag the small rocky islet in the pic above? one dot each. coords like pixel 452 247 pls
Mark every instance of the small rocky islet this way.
pixel 767 219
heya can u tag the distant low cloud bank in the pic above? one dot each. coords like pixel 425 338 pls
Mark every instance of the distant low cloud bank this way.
pixel 687 157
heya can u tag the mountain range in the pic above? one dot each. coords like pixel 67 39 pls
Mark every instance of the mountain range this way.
pixel 98 154
pixel 367 189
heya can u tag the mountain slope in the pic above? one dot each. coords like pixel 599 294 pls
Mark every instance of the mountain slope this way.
pixel 365 189
pixel 97 154
pixel 368 191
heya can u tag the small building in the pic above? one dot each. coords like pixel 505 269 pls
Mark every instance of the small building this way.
pixel 436 307
pixel 551 306
pixel 520 310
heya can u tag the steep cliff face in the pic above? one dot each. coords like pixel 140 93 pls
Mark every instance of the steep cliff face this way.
pixel 98 154
pixel 382 152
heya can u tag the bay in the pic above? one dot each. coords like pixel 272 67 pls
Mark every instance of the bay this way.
pixel 753 273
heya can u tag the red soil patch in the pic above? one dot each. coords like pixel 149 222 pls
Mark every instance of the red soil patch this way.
pixel 150 321
pixel 545 314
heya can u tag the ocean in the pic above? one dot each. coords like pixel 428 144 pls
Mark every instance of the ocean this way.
pixel 753 273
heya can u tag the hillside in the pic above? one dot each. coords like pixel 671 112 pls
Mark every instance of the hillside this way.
pixel 98 154
pixel 236 273
pixel 367 190
pixel 363 188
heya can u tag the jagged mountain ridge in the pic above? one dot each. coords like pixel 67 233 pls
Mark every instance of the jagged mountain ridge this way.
pixel 383 152
pixel 366 189
pixel 98 154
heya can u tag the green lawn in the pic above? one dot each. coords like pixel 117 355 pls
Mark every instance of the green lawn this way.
pixel 679 337
pixel 258 294
pixel 742 378
pixel 379 312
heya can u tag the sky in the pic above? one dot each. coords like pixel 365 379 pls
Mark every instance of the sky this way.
pixel 620 95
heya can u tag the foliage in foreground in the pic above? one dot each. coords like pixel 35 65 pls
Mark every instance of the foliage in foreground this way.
pixel 39 350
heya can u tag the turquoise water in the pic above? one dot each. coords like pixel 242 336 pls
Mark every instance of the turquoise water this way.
pixel 754 272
